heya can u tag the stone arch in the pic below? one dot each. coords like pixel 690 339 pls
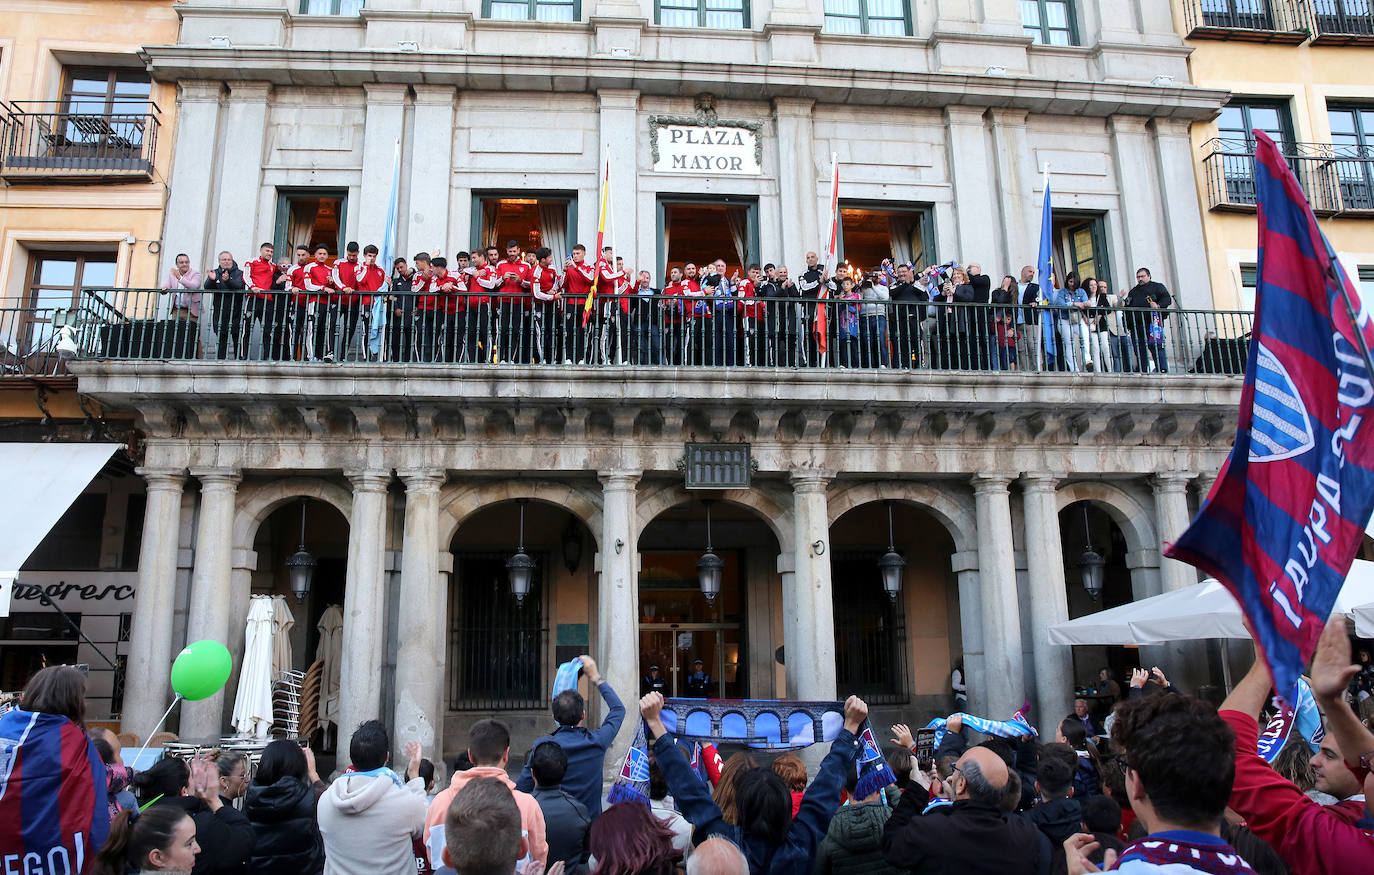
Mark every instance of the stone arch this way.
pixel 955 514
pixel 457 503
pixel 257 501
pixel 777 516
pixel 1131 515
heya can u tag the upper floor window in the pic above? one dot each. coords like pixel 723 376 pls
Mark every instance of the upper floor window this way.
pixel 1050 22
pixel 1352 129
pixel 331 7
pixel 105 90
pixel 1240 118
pixel 533 10
pixel 723 14
pixel 873 17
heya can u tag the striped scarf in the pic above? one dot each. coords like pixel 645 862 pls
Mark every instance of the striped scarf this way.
pixel 1017 726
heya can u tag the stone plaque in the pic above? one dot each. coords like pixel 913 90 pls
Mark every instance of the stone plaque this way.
pixel 683 144
pixel 718 466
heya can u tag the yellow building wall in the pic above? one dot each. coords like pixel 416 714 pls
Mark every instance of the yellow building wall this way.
pixel 1306 77
pixel 38 38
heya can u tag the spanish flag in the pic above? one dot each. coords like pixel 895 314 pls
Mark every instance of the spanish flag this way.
pixel 600 240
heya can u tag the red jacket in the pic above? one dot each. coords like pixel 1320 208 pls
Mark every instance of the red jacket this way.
pixel 543 280
pixel 345 279
pixel 296 283
pixel 481 285
pixel 318 282
pixel 1310 838
pixel 425 299
pixel 371 278
pixel 260 273
pixel 612 282
pixel 517 289
pixel 578 281
pixel 752 309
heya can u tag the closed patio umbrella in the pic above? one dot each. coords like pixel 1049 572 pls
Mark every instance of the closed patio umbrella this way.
pixel 253 705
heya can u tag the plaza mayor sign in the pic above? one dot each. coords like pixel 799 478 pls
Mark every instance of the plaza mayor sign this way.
pixel 705 145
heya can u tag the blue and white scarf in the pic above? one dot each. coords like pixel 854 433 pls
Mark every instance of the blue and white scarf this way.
pixel 566 676
pixel 1017 726
pixel 1304 716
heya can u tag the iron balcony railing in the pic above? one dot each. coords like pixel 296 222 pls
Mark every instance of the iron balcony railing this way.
pixel 661 331
pixel 1277 21
pixel 1343 21
pixel 1338 179
pixel 56 141
pixel 32 340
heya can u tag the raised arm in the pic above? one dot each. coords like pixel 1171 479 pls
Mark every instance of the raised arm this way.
pixel 691 794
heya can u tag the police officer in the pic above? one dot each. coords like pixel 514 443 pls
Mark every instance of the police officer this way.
pixel 653 681
pixel 698 682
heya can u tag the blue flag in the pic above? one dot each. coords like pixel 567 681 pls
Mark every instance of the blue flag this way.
pixel 1288 511
pixel 380 309
pixel 1044 266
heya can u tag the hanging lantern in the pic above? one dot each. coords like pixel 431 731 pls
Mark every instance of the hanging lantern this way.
pixel 709 566
pixel 891 565
pixel 1092 566
pixel 300 566
pixel 521 565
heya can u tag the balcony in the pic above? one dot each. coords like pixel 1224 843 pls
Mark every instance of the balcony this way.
pixel 1342 22
pixel 30 339
pixel 283 335
pixel 1264 21
pixel 43 142
pixel 1338 180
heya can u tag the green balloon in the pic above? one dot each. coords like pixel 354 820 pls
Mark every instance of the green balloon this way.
pixel 201 669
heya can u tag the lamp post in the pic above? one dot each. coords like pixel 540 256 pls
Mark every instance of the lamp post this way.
pixel 1090 564
pixel 891 565
pixel 521 565
pixel 301 565
pixel 709 565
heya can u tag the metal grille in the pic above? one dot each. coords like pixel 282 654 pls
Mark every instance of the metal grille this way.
pixel 496 646
pixel 870 632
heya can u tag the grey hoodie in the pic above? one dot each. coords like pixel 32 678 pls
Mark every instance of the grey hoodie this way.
pixel 369 824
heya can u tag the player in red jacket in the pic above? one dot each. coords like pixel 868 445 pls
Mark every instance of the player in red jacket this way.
pixel 513 307
pixel 371 280
pixel 482 282
pixel 751 317
pixel 258 276
pixel 318 279
pixel 544 314
pixel 611 307
pixel 577 282
pixel 295 301
pixel 344 309
pixel 429 311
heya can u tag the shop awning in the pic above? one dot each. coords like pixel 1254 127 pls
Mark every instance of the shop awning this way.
pixel 41 482
pixel 1203 610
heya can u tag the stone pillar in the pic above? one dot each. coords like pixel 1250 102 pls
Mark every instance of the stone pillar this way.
pixel 237 226
pixel 976 202
pixel 797 202
pixel 187 222
pixel 808 609
pixel 965 567
pixel 147 690
pixel 427 219
pixel 364 609
pixel 1171 519
pixel 620 136
pixel 1185 245
pixel 1001 613
pixel 1140 216
pixel 1203 483
pixel 1049 600
pixel 617 651
pixel 385 122
pixel 423 608
pixel 1017 176
pixel 211 590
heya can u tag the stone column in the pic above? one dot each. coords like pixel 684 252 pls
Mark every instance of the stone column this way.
pixel 965 567
pixel 237 226
pixel 797 201
pixel 808 609
pixel 1017 176
pixel 620 136
pixel 364 621
pixel 211 589
pixel 385 122
pixel 1140 216
pixel 968 165
pixel 147 690
pixel 1203 484
pixel 1185 248
pixel 1001 613
pixel 1049 600
pixel 187 223
pixel 423 607
pixel 617 647
pixel 1171 519
pixel 427 218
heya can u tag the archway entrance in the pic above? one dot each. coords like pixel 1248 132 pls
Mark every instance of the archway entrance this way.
pixel 732 637
pixel 894 651
pixel 1081 523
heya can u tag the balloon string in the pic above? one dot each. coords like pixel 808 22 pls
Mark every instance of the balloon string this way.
pixel 138 757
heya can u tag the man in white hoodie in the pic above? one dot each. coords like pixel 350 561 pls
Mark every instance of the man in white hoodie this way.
pixel 369 818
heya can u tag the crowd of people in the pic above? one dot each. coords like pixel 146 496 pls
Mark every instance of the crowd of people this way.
pixel 1174 786
pixel 524 306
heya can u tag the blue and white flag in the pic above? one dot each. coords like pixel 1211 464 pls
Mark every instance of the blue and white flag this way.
pixel 1044 266
pixel 381 311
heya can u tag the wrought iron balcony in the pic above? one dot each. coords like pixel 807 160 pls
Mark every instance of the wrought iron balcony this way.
pixel 418 333
pixel 1266 21
pixel 49 142
pixel 36 341
pixel 1338 180
pixel 1341 22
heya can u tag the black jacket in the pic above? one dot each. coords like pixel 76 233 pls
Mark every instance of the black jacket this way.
pixel 286 838
pixel 1030 297
pixel 1140 295
pixel 225 836
pixel 966 838
pixel 567 825
pixel 913 300
pixel 233 283
pixel 1057 819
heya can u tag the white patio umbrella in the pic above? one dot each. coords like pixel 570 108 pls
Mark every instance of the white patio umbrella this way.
pixel 253 705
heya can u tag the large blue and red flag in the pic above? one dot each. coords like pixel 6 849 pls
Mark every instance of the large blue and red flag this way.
pixel 53 809
pixel 1285 517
